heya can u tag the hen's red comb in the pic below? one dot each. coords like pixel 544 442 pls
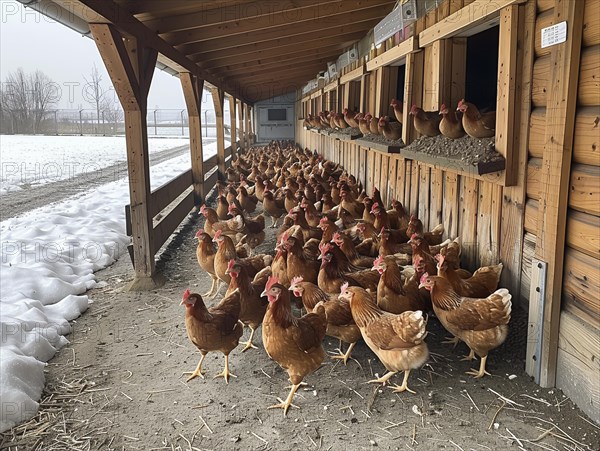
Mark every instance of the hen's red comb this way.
pixel 231 264
pixel 199 233
pixel 297 280
pixel 344 287
pixel 218 234
pixel 424 278
pixel 270 282
pixel 186 294
pixel 378 261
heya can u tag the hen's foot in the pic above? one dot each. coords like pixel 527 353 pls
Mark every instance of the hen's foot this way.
pixel 225 374
pixel 285 405
pixel 248 344
pixel 404 387
pixel 482 372
pixel 383 379
pixel 345 356
pixel 469 357
pixel 197 372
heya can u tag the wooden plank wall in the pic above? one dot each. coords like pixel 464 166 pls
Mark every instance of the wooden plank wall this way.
pixel 577 369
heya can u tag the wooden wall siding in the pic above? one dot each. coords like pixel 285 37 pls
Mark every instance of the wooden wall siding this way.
pixel 581 286
pixel 586 148
pixel 578 365
pixel 589 82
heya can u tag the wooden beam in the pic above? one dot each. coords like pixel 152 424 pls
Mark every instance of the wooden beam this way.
pixel 199 52
pixel 240 116
pixel 103 11
pixel 218 101
pixel 245 61
pixel 396 55
pixel 283 25
pixel 514 197
pixel 556 167
pixel 236 70
pixel 353 75
pixel 130 68
pixel 211 17
pixel 192 93
pixel 476 17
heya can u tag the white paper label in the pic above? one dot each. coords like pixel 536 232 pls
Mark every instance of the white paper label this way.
pixel 556 34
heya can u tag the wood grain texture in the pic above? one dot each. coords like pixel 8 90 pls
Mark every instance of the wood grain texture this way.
pixel 577 363
pixel 537 130
pixel 467 229
pixel 584 192
pixel 583 233
pixel 450 213
pixel 586 148
pixel 562 87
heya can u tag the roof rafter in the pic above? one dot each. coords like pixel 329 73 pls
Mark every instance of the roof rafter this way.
pixel 278 23
pixel 278 47
pixel 210 16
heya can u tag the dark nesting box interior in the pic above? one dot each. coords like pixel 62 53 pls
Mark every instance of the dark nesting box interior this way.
pixel 481 83
pixel 400 85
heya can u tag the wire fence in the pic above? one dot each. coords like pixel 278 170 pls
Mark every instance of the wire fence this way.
pixel 160 122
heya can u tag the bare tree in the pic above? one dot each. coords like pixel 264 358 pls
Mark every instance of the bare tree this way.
pixel 112 113
pixel 93 92
pixel 26 98
pixel 44 95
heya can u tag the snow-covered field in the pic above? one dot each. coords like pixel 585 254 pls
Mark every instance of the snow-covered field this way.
pixel 36 160
pixel 48 259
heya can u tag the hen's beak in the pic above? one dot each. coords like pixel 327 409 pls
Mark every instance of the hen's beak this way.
pixel 263 294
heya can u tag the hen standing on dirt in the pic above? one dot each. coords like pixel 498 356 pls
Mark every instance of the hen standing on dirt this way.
pixel 294 343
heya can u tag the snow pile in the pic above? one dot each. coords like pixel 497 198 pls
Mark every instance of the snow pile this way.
pixel 48 259
pixel 37 160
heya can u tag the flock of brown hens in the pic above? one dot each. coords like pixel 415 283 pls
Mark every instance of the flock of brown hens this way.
pixel 452 124
pixel 358 269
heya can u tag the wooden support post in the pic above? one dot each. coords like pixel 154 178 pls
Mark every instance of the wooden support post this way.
pixel 505 106
pixel 130 66
pixel 556 167
pixel 218 98
pixel 233 125
pixel 192 92
pixel 241 130
pixel 514 197
pixel 246 126
pixel 413 93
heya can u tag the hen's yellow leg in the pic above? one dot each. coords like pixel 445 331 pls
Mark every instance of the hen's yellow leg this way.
pixel 225 374
pixel 212 287
pixel 217 287
pixel 285 405
pixel 345 356
pixel 469 357
pixel 404 386
pixel 482 372
pixel 383 379
pixel 198 371
pixel 249 342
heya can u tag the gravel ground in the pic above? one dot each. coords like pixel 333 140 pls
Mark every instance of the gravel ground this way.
pixel 467 149
pixel 119 385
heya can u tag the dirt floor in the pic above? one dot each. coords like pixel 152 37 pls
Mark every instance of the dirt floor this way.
pixel 119 386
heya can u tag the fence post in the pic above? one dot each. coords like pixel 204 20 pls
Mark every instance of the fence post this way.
pixel 155 130
pixel 182 123
pixel 56 122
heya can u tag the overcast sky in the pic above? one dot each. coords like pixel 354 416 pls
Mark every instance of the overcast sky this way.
pixel 33 41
